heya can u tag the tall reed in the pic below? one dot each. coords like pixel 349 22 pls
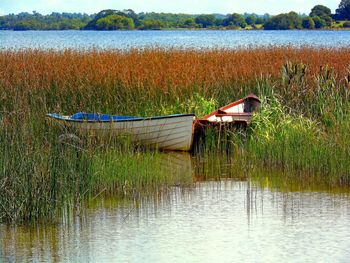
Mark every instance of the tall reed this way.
pixel 304 122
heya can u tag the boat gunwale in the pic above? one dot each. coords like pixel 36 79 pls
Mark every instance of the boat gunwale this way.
pixel 69 119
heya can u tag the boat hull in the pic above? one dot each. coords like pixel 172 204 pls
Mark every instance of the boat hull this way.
pixel 174 132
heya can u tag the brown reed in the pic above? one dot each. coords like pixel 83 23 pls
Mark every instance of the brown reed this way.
pixel 150 72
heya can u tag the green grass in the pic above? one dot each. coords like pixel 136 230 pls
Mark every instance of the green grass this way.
pixel 292 132
pixel 294 142
pixel 132 172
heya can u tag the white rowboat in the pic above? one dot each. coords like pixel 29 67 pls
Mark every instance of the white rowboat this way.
pixel 172 132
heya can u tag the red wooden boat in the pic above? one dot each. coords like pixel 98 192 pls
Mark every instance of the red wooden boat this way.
pixel 238 112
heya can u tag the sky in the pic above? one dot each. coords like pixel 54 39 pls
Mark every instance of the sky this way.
pixel 172 6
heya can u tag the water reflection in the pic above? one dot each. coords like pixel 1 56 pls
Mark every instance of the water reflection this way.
pixel 238 218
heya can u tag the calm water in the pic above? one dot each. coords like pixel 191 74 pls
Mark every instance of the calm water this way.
pixel 232 220
pixel 184 39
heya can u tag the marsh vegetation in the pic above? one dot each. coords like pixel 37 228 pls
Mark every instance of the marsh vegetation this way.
pixel 303 125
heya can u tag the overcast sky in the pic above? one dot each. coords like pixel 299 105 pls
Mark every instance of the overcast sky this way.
pixel 171 6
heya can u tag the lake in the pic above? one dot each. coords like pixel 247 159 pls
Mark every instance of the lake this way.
pixel 217 213
pixel 261 218
pixel 198 39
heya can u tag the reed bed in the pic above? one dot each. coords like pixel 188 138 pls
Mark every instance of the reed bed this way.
pixel 303 125
pixel 73 80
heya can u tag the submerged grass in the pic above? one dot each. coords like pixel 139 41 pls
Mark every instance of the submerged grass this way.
pixel 303 125
pixel 129 173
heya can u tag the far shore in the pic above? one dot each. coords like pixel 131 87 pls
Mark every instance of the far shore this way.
pixel 189 29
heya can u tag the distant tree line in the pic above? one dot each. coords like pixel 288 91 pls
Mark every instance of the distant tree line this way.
pixel 36 21
pixel 126 20
pixel 319 17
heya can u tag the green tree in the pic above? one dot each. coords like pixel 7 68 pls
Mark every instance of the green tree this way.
pixel 110 19
pixel 260 21
pixel 105 19
pixel 328 20
pixel 131 14
pixel 28 24
pixel 205 20
pixel 219 22
pixel 151 25
pixel 290 20
pixel 167 19
pixel 343 11
pixel 36 21
pixel 323 13
pixel 250 20
pixel 187 23
pixel 308 23
pixel 236 20
pixel 319 22
pixel 104 13
pixel 114 22
pixel 320 10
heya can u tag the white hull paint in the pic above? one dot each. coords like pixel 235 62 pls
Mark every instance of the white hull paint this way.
pixel 167 133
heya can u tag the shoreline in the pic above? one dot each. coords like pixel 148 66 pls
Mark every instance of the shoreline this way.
pixel 183 29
